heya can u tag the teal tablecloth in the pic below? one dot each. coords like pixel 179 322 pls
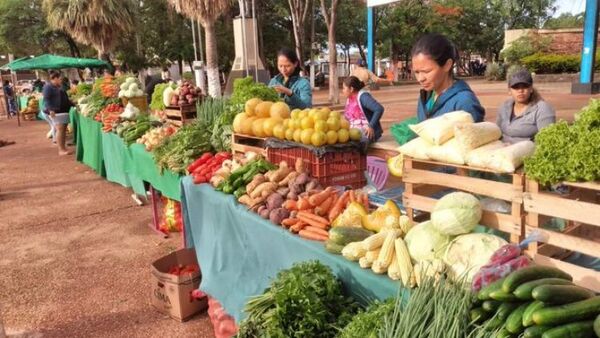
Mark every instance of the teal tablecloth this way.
pixel 23 103
pixel 116 154
pixel 91 141
pixel 239 252
pixel 141 164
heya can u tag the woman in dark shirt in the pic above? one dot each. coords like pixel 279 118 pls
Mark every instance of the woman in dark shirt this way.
pixel 57 109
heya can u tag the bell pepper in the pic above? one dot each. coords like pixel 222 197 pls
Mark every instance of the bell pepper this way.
pixel 203 159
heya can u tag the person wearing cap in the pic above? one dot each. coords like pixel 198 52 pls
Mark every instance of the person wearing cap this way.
pixel 366 76
pixel 523 115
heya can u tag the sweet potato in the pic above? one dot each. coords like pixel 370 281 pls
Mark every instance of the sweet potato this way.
pixel 300 166
pixel 302 179
pixel 274 201
pixel 289 178
pixel 245 200
pixel 278 215
pixel 263 211
pixel 283 191
pixel 256 181
pixel 266 186
pixel 278 175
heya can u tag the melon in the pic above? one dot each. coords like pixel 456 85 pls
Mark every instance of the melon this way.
pixel 263 109
pixel 280 109
pixel 247 125
pixel 238 122
pixel 257 128
pixel 251 105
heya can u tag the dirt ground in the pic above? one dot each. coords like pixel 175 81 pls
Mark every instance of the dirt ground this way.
pixel 75 250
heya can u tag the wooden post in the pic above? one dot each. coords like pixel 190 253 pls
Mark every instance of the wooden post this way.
pixel 533 219
pixel 517 208
pixel 408 187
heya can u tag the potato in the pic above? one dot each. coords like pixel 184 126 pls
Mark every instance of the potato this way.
pixel 283 191
pixel 303 178
pixel 264 213
pixel 278 215
pixel 279 174
pixel 245 200
pixel 256 181
pixel 274 201
pixel 266 186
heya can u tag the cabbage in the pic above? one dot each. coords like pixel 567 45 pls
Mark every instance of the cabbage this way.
pixel 124 86
pixel 133 87
pixel 456 213
pixel 466 254
pixel 425 242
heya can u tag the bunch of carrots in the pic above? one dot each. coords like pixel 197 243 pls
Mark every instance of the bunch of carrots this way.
pixel 109 115
pixel 311 215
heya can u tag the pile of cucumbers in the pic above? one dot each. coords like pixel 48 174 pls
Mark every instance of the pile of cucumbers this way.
pixel 537 301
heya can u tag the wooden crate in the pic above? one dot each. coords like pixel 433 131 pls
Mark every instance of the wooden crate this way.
pixel 241 143
pixel 581 208
pixel 181 115
pixel 422 181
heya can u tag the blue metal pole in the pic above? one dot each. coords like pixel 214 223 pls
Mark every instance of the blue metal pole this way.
pixel 371 38
pixel 590 31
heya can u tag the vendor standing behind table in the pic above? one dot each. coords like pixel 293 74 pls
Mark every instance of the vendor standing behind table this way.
pixel 57 109
pixel 366 76
pixel 292 88
pixel 523 115
pixel 362 110
pixel 433 60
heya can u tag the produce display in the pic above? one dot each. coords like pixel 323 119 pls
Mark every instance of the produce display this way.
pixel 236 182
pixel 31 109
pixel 316 127
pixel 245 89
pixel 181 270
pixel 536 301
pixel 304 301
pixel 568 152
pixel 130 88
pixel 205 167
pixel 184 95
pixel 153 137
pixel 109 115
pixel 171 218
pixel 137 128
pixel 368 323
pixel 81 90
pixel 157 102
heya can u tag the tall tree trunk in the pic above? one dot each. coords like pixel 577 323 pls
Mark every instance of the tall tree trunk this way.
pixel 212 60
pixel 299 13
pixel 330 20
pixel 361 51
pixel 73 48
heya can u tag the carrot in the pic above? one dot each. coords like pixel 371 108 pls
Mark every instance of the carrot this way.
pixel 290 205
pixel 312 236
pixel 289 222
pixel 320 197
pixel 328 203
pixel 339 205
pixel 313 222
pixel 317 230
pixel 365 200
pixel 352 196
pixel 313 217
pixel 303 204
pixel 297 227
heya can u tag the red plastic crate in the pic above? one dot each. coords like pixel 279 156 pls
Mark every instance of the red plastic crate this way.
pixel 334 168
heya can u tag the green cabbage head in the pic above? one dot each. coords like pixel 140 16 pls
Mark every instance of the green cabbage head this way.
pixel 456 213
pixel 424 242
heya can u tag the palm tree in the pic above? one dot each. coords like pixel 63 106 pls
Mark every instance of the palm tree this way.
pixel 99 23
pixel 206 12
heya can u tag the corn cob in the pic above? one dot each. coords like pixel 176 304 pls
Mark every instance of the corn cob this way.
pixel 386 254
pixel 405 224
pixel 364 262
pixel 374 241
pixel 372 255
pixel 404 263
pixel 353 251
pixel 394 269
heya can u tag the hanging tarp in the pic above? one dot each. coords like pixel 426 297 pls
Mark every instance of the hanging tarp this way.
pixel 49 61
pixel 14 62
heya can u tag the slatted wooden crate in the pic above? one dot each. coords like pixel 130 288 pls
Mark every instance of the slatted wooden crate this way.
pixel 241 143
pixel 422 181
pixel 181 115
pixel 581 208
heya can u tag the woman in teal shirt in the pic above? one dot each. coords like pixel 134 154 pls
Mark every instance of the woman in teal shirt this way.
pixel 293 89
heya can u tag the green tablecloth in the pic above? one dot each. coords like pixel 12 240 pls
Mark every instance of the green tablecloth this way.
pixel 91 141
pixel 74 121
pixel 115 154
pixel 239 252
pixel 141 165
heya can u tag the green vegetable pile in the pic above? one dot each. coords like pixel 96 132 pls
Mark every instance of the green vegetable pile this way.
pixel 245 89
pixel 218 113
pixel 436 309
pixel 157 96
pixel 82 89
pixel 178 151
pixel 568 152
pixel 367 324
pixel 143 123
pixel 239 178
pixel 304 301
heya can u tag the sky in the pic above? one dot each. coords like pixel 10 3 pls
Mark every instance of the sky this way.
pixel 570 6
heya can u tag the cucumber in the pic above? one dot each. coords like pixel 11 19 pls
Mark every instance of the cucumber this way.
pixel 333 247
pixel 491 305
pixel 597 326
pixel 573 330
pixel 502 296
pixel 506 309
pixel 561 294
pixel 528 315
pixel 535 331
pixel 516 278
pixel 479 315
pixel 583 310
pixel 514 322
pixel 345 235
pixel 524 290
pixel 493 324
pixel 484 293
pixel 503 333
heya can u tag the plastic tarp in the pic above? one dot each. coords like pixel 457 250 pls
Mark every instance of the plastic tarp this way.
pixel 50 61
pixel 239 252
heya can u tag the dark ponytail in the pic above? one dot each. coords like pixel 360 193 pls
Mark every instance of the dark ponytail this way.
pixel 291 55
pixel 438 47
pixel 354 83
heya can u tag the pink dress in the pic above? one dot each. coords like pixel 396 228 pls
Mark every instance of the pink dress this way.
pixel 354 113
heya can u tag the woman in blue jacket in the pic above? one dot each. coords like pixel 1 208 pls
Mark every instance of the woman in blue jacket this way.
pixel 293 89
pixel 433 60
pixel 362 111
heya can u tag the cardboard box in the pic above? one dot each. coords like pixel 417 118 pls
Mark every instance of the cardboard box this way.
pixel 171 294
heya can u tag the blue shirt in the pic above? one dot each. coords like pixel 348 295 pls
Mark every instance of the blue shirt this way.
pixel 55 99
pixel 458 97
pixel 373 111
pixel 301 92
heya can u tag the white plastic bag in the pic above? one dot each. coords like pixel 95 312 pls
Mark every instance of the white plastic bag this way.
pixel 416 148
pixel 479 157
pixel 509 159
pixel 440 129
pixel 449 152
pixel 473 135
